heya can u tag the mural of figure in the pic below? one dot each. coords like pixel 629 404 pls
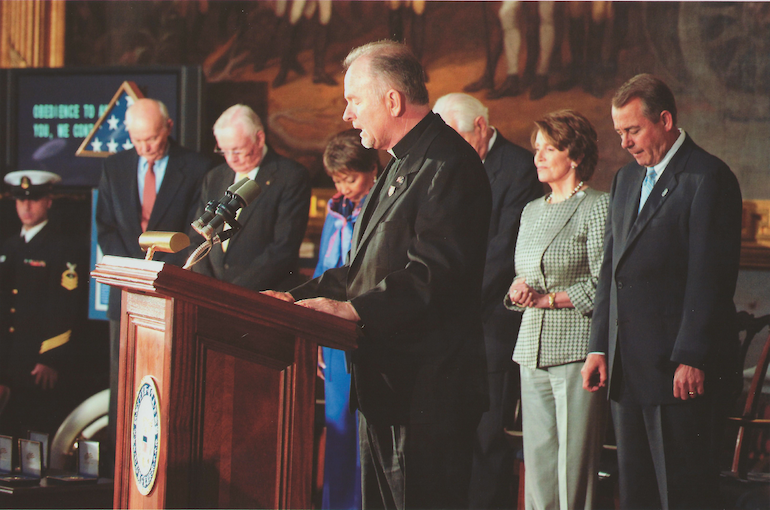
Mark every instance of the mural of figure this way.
pixel 493 40
pixel 398 11
pixel 585 44
pixel 511 21
pixel 290 32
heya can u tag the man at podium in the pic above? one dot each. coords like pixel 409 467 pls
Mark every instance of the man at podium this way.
pixel 413 283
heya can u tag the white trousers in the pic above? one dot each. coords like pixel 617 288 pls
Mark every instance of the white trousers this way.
pixel 563 429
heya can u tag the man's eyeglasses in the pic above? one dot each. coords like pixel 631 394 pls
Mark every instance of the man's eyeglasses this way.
pixel 232 153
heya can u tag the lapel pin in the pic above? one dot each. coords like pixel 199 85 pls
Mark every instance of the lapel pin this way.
pixel 400 179
pixel 665 192
pixel 267 183
pixel 391 190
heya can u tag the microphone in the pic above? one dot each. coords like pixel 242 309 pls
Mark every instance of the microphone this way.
pixel 211 207
pixel 238 195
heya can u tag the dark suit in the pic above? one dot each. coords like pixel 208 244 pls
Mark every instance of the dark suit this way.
pixel 43 301
pixel 265 252
pixel 665 298
pixel 118 207
pixel 414 277
pixel 513 178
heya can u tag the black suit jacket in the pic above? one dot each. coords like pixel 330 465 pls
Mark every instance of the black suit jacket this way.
pixel 414 277
pixel 43 294
pixel 265 252
pixel 513 177
pixel 118 208
pixel 665 293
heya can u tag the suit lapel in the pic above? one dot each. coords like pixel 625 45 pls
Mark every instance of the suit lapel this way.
pixel 569 208
pixel 372 200
pixel 633 195
pixel 265 178
pixel 169 188
pixel 663 189
pixel 494 160
pixel 392 186
pixel 128 181
pixel 397 185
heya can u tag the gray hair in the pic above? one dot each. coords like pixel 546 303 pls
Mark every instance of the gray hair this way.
pixel 464 109
pixel 242 115
pixel 394 66
pixel 161 108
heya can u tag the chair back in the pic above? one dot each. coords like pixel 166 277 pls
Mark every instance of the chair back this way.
pixel 750 418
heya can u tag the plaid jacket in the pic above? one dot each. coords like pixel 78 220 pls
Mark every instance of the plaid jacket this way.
pixel 560 248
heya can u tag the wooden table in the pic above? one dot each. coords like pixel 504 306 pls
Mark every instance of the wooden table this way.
pixel 58 495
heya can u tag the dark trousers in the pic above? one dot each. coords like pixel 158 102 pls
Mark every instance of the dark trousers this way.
pixel 31 408
pixel 493 454
pixel 666 456
pixel 416 466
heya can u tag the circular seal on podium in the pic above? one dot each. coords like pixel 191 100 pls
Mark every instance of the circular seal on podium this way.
pixel 145 435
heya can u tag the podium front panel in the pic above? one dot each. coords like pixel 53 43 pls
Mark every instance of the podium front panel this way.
pixel 236 408
pixel 232 383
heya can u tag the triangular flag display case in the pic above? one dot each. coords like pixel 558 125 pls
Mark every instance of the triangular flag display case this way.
pixel 109 135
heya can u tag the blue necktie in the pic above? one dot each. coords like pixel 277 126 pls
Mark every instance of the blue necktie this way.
pixel 647 185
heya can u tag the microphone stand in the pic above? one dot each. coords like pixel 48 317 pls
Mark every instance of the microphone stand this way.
pixel 199 253
pixel 240 195
pixel 206 246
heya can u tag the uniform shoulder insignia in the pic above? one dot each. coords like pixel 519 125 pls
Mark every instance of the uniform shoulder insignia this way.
pixel 69 278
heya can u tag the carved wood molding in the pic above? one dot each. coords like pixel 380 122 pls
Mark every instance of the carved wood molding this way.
pixel 32 33
pixel 755 235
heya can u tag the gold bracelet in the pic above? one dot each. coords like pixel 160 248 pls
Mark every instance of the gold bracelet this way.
pixel 552 301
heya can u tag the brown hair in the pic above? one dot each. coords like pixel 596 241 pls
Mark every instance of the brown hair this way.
pixel 571 131
pixel 653 92
pixel 345 152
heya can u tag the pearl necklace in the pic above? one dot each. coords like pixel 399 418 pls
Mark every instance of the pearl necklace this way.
pixel 549 197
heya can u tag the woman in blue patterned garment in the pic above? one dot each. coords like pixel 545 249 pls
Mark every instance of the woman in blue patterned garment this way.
pixel 354 170
pixel 559 251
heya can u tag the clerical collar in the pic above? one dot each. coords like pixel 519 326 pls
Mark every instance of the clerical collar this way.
pixel 402 148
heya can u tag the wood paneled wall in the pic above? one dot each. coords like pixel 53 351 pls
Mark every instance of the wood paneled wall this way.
pixel 32 33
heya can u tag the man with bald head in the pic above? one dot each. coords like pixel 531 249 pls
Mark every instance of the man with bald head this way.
pixel 413 284
pixel 513 177
pixel 154 186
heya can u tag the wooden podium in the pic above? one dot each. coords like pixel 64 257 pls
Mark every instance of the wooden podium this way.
pixel 231 391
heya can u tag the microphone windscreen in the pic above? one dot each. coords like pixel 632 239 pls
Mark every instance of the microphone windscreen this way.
pixel 248 192
pixel 232 189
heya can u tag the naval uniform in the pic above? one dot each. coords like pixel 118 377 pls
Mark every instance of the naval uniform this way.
pixel 43 293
